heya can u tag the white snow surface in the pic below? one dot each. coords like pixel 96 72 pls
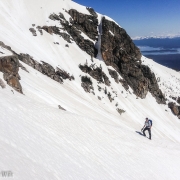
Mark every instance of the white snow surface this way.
pixel 89 140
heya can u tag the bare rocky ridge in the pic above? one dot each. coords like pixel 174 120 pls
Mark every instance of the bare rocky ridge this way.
pixel 45 68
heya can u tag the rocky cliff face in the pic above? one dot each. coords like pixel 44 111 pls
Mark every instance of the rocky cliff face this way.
pixel 119 51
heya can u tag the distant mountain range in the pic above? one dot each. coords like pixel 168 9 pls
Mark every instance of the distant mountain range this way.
pixel 156 37
pixel 166 42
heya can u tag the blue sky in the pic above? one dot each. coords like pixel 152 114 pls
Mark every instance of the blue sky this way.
pixel 141 17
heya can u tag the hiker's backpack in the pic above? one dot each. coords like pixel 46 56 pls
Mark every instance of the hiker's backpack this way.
pixel 150 121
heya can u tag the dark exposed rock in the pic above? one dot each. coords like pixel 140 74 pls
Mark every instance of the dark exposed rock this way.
pixel 79 22
pixel 64 74
pixel 58 78
pixel 92 12
pixel 40 30
pixel 61 16
pixel 66 37
pixel 6 47
pixel 174 108
pixel 153 85
pixel 110 97
pixel 48 29
pixel 96 73
pixel 124 84
pixel 33 31
pixel 119 51
pixel 99 88
pixel 114 75
pixel 118 47
pixel 85 44
pixel 178 100
pixel 9 65
pixel 54 17
pixel 86 23
pixel 120 111
pixel 86 84
pixel 174 98
pixel 47 69
pixel 27 59
pixel 60 107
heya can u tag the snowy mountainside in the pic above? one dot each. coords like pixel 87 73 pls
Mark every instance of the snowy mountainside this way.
pixel 61 127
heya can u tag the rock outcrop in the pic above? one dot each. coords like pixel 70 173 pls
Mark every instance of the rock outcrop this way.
pixel 33 31
pixel 45 68
pixel 175 109
pixel 96 73
pixel 86 84
pixel 178 100
pixel 120 111
pixel 78 23
pixel 86 23
pixel 9 65
pixel 114 75
pixel 119 51
pixel 152 84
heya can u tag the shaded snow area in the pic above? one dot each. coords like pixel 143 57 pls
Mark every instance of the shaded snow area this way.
pixel 90 140
pixel 98 43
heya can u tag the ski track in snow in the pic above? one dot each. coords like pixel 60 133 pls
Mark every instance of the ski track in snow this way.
pixel 89 140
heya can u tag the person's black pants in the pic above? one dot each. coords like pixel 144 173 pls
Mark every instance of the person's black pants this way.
pixel 149 130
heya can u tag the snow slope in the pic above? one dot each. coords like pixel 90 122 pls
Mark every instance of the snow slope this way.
pixel 89 140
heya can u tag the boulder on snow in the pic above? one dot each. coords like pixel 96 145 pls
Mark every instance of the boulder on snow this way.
pixel 120 111
pixel 174 108
pixel 9 65
pixel 33 31
pixel 60 107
